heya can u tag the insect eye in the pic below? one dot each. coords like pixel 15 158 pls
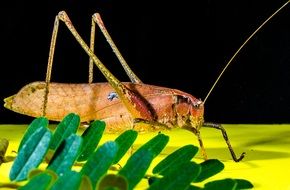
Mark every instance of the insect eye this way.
pixel 197 104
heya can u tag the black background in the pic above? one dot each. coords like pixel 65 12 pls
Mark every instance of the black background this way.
pixel 177 44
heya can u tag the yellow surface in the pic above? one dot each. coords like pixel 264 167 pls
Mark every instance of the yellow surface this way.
pixel 267 147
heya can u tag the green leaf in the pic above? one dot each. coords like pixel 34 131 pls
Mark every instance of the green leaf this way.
pixel 209 168
pixel 66 154
pixel 178 179
pixel 184 154
pixel 100 161
pixel 35 172
pixel 35 124
pixel 70 180
pixel 193 187
pixel 152 179
pixel 243 184
pixel 86 183
pixel 156 144
pixel 39 182
pixel 139 162
pixel 112 181
pixel 31 154
pixel 136 167
pixel 91 138
pixel 65 128
pixel 224 184
pixel 124 141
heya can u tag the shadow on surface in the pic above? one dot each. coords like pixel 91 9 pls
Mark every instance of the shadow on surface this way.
pixel 281 139
pixel 223 154
pixel 251 154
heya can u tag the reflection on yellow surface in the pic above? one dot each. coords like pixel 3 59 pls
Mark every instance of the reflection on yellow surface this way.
pixel 267 147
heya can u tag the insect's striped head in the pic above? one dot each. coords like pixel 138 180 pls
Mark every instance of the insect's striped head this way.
pixel 197 113
pixel 190 111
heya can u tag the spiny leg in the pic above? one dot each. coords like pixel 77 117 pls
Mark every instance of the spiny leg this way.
pixel 132 101
pixel 92 47
pixel 49 64
pixel 219 127
pixel 197 133
pixel 155 125
pixel 96 18
pixel 203 152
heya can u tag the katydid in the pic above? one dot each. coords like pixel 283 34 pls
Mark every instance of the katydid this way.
pixel 122 105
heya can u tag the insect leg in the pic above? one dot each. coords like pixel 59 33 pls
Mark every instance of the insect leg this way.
pixel 197 133
pixel 49 64
pixel 155 125
pixel 92 47
pixel 97 19
pixel 203 152
pixel 219 127
pixel 137 106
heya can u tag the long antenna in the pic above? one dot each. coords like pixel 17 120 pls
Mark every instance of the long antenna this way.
pixel 240 48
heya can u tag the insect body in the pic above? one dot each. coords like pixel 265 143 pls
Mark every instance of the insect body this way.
pixel 170 107
pixel 121 105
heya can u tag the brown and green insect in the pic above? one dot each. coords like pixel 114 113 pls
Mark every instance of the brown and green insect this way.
pixel 122 105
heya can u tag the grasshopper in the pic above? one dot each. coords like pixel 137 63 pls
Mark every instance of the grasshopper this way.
pixel 122 105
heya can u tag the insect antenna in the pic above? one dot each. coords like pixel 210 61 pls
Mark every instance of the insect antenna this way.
pixel 240 48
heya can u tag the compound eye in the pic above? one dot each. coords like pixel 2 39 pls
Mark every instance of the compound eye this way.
pixel 197 104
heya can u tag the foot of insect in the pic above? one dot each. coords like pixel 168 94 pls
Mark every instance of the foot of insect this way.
pixel 202 149
pixel 219 127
